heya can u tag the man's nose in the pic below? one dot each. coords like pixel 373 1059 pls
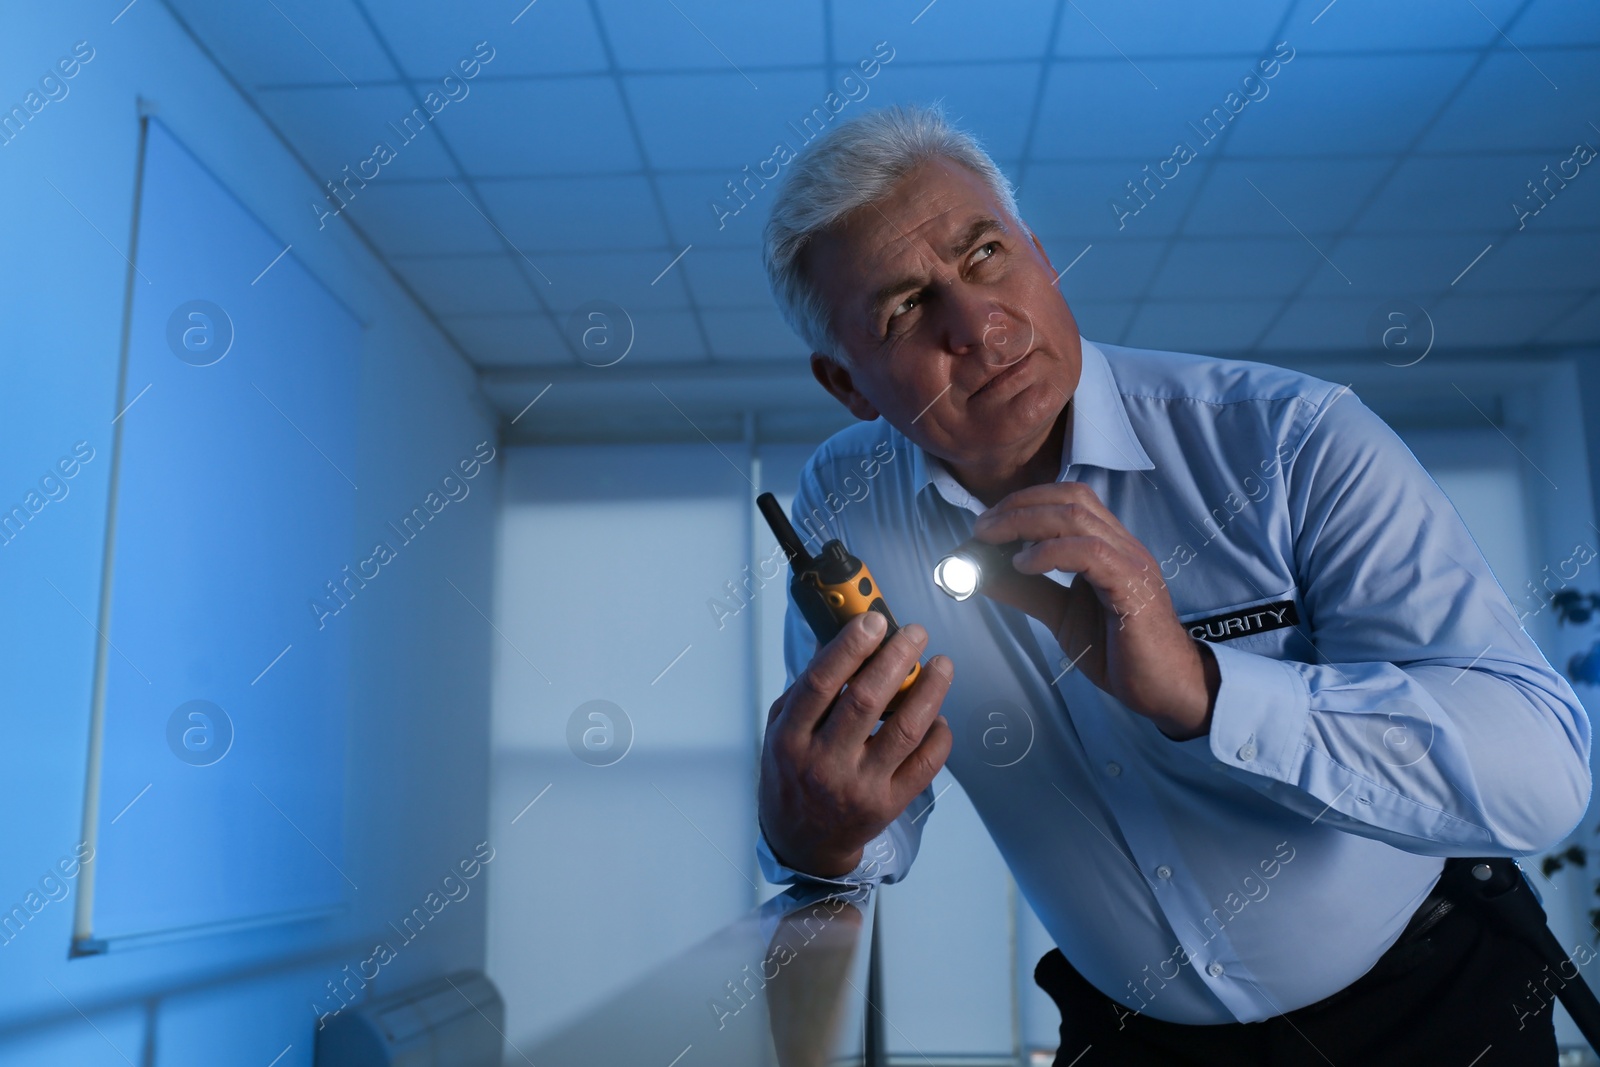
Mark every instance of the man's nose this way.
pixel 975 325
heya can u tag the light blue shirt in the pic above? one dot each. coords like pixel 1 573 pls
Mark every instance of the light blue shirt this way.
pixel 1405 717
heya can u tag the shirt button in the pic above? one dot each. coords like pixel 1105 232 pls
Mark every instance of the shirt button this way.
pixel 1163 872
pixel 1065 663
pixel 1113 769
pixel 1215 970
pixel 1247 751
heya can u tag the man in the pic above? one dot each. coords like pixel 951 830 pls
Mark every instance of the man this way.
pixel 1249 685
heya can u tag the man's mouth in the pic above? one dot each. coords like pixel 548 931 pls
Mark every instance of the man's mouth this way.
pixel 1004 374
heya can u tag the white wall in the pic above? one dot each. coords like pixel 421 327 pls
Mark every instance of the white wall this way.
pixel 418 728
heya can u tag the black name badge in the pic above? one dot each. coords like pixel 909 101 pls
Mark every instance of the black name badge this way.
pixel 1245 622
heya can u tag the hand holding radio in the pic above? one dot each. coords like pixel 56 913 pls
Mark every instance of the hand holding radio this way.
pixel 829 783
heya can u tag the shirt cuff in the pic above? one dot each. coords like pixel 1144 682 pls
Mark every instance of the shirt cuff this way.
pixel 866 872
pixel 1259 721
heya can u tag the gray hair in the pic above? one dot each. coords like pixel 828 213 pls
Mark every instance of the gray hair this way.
pixel 851 166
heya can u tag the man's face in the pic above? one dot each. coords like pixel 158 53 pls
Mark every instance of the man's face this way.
pixel 950 318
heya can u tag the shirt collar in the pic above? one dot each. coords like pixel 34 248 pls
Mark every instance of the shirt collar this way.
pixel 1100 434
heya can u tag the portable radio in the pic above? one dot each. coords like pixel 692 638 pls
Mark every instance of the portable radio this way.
pixel 832 587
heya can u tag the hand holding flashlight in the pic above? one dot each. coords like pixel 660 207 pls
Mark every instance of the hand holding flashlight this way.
pixel 1116 622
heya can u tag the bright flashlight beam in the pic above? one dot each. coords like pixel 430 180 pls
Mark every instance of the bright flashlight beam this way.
pixel 957 576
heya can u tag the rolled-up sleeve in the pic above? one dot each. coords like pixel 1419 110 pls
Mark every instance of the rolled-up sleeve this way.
pixel 1429 719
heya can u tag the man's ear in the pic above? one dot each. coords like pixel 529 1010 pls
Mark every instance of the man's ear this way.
pixel 837 380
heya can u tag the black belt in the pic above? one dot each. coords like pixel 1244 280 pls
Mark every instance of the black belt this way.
pixel 1426 917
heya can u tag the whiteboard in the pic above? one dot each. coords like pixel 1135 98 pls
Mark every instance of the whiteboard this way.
pixel 222 693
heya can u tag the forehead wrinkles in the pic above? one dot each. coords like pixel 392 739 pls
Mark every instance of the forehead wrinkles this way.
pixel 895 252
pixel 912 244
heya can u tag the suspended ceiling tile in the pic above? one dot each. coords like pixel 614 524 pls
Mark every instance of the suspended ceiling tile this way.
pixel 1558 22
pixel 575 214
pixel 1201 326
pixel 1091 200
pixel 1221 269
pixel 1109 28
pixel 709 34
pixel 468 285
pixel 1367 25
pixel 1539 100
pixel 665 337
pixel 430 39
pixel 540 127
pixel 301 41
pixel 1535 260
pixel 634 280
pixel 1321 104
pixel 1139 111
pixel 753 333
pixel 727 277
pixel 1103 320
pixel 1113 268
pixel 702 211
pixel 943 31
pixel 718 120
pixel 1465 193
pixel 1404 267
pixel 1337 323
pixel 421 218
pixel 1579 325
pixel 1245 197
pixel 510 340
pixel 1490 321
pixel 335 128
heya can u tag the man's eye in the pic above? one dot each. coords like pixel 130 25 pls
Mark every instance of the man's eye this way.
pixel 904 306
pixel 986 251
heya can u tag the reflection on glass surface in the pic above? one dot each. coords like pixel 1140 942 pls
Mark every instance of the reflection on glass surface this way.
pixel 783 986
pixel 807 976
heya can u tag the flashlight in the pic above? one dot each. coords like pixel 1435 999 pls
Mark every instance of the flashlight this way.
pixel 964 571
pixel 832 587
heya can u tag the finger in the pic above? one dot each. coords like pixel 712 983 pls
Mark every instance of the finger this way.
pixel 1123 584
pixel 857 710
pixel 808 699
pixel 903 731
pixel 1091 556
pixel 918 769
pixel 1083 512
pixel 1046 494
pixel 1040 522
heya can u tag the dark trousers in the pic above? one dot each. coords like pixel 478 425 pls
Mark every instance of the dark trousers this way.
pixel 1456 996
